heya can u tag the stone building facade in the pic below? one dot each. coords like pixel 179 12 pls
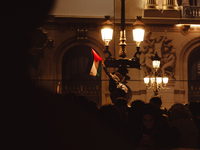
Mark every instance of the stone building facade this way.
pixel 60 52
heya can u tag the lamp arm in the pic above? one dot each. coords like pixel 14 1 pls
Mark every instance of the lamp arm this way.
pixel 138 52
pixel 149 86
pixel 165 86
pixel 106 51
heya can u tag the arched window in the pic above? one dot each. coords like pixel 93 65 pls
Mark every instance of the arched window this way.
pixel 76 65
pixel 194 75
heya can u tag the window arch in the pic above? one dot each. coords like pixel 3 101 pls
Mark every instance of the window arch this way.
pixel 76 64
pixel 194 75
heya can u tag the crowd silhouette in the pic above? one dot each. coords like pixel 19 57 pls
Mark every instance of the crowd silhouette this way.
pixel 148 124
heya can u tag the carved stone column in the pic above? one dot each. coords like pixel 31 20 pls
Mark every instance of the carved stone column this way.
pixel 170 5
pixel 151 4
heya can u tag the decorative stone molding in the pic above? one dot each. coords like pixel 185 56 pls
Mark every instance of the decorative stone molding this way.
pixel 165 50
pixel 179 92
pixel 64 23
pixel 151 4
pixel 139 92
pixel 81 34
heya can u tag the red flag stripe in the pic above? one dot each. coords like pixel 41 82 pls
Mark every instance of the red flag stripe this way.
pixel 96 56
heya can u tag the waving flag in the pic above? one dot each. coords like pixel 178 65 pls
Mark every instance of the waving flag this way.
pixel 96 65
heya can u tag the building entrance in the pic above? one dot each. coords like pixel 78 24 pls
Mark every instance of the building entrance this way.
pixel 76 65
pixel 194 75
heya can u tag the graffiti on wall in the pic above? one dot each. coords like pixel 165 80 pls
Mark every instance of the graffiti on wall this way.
pixel 163 46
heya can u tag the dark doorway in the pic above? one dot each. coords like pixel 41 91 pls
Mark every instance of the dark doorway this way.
pixel 194 75
pixel 76 65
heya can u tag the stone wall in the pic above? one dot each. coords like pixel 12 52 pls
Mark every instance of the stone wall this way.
pixel 66 32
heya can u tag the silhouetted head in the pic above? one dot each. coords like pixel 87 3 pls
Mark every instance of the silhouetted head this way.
pixel 110 116
pixel 92 107
pixel 70 97
pixel 156 102
pixel 137 104
pixel 121 103
pixel 81 101
pixel 179 111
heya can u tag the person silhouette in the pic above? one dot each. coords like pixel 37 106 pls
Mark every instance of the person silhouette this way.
pixel 117 83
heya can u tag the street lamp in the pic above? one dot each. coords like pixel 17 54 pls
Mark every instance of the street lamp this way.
pixel 156 82
pixel 107 35
pixel 123 62
pixel 138 36
pixel 107 31
pixel 156 62
pixel 138 31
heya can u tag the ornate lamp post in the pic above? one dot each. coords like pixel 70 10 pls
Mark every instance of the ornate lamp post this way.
pixel 156 82
pixel 138 36
pixel 123 62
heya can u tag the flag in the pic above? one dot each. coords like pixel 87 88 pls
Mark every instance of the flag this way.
pixel 96 65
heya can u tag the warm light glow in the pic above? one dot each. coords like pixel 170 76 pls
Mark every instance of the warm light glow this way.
pixel 146 80
pixel 156 64
pixel 159 80
pixel 192 25
pixel 195 25
pixel 107 34
pixel 152 79
pixel 138 35
pixel 165 80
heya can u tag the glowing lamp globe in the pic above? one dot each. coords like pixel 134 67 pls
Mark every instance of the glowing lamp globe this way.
pixel 107 34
